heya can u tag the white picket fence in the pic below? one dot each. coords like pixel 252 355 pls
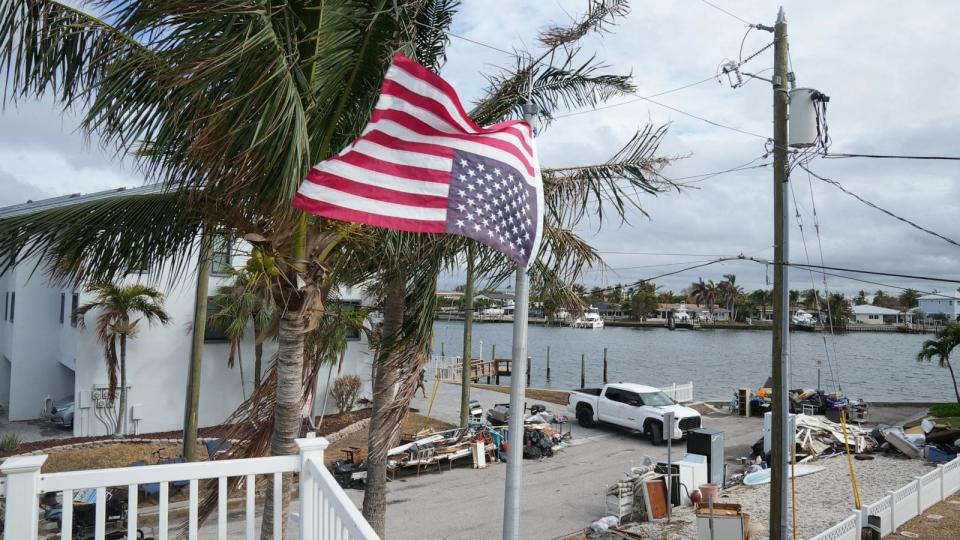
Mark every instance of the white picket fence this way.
pixel 900 506
pixel 681 393
pixel 325 510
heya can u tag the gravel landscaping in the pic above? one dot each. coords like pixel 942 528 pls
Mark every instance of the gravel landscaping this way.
pixel 824 498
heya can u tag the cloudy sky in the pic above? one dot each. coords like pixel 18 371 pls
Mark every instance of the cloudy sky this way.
pixel 887 66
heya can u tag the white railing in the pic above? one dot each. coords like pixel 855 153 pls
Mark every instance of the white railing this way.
pixel 682 393
pixel 325 510
pixel 902 505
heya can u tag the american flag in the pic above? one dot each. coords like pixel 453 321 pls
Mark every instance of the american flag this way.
pixel 422 165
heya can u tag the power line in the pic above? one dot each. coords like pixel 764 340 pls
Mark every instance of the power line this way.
pixel 639 98
pixel 874 273
pixel 891 156
pixel 874 206
pixel 720 9
pixel 706 176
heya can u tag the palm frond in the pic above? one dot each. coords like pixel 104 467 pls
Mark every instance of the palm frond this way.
pixel 432 36
pixel 101 240
pixel 635 170
pixel 599 13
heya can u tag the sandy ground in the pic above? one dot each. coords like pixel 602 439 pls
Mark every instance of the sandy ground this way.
pixel 940 521
pixel 823 498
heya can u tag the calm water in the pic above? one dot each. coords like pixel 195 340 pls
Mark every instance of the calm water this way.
pixel 873 366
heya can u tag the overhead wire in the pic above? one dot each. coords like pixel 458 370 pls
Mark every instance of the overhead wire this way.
pixel 890 156
pixel 839 186
pixel 720 9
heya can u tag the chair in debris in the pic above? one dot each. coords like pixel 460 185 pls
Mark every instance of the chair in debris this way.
pixel 425 457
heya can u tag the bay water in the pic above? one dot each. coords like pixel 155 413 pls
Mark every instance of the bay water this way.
pixel 875 366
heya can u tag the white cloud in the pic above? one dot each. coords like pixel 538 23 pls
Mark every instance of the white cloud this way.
pixel 885 64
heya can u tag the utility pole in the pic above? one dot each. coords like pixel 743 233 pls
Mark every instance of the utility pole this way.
pixel 467 339
pixel 782 438
pixel 521 306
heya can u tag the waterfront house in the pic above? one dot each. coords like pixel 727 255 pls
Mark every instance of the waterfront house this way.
pixel 45 356
pixel 867 314
pixel 947 303
pixel 611 310
pixel 695 312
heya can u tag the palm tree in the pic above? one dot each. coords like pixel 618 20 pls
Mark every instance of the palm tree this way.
pixel 247 300
pixel 861 298
pixel 947 339
pixel 703 293
pixel 731 293
pixel 120 309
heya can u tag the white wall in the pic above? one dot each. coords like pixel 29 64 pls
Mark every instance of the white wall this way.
pixel 35 370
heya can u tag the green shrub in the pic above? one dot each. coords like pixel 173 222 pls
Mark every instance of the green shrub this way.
pixel 9 442
pixel 944 410
pixel 345 392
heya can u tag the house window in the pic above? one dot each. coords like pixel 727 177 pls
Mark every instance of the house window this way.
pixel 13 304
pixel 874 317
pixel 139 267
pixel 63 304
pixel 74 305
pixel 213 332
pixel 6 304
pixel 220 261
pixel 353 334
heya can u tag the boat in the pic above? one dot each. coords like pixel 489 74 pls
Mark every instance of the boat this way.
pixel 590 319
pixel 802 320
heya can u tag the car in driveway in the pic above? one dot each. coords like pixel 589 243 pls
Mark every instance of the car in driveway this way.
pixel 61 412
pixel 632 406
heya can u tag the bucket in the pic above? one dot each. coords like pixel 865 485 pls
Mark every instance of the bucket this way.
pixel 709 492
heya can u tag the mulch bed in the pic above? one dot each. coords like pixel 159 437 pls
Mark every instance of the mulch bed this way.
pixel 331 424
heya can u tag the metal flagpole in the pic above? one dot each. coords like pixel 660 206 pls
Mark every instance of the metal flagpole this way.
pixel 521 305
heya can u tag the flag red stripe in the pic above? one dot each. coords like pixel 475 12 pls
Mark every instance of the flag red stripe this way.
pixel 385 139
pixel 361 189
pixel 434 80
pixel 396 89
pixel 394 169
pixel 418 126
pixel 377 220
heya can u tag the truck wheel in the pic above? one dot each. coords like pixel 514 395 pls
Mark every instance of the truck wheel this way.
pixel 585 417
pixel 656 433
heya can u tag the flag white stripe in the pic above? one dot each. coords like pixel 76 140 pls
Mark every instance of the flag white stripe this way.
pixel 392 128
pixel 372 206
pixel 425 89
pixel 402 157
pixel 379 179
pixel 388 102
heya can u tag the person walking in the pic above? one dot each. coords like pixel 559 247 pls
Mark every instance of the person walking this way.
pixel 421 382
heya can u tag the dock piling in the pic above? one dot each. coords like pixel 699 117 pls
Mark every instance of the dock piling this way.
pixel 583 370
pixel 604 365
pixel 529 363
pixel 548 362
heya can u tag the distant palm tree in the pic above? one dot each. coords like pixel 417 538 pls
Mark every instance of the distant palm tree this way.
pixel 121 308
pixel 703 293
pixel 861 298
pixel 947 338
pixel 730 293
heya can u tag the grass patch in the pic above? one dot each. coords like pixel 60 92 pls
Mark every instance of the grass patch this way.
pixel 541 394
pixel 112 455
pixel 9 443
pixel 945 410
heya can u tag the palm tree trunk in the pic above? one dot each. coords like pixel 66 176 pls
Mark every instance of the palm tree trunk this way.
pixel 120 428
pixel 954 378
pixel 384 385
pixel 191 404
pixel 286 416
pixel 257 352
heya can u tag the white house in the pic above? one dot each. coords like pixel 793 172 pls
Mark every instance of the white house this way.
pixel 867 314
pixel 45 356
pixel 947 303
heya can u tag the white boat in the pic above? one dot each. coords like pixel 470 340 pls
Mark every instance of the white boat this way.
pixel 590 319
pixel 803 318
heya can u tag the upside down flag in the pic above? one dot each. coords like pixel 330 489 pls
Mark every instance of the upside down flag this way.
pixel 422 165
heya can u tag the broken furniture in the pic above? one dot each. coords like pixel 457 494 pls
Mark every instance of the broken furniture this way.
pixel 727 520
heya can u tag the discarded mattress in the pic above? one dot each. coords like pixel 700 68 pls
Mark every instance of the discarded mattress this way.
pixel 763 477
pixel 900 442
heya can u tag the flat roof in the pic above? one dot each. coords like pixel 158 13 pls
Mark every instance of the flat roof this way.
pixel 30 207
pixel 866 309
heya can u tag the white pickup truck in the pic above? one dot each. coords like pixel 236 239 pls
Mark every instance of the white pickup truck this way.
pixel 632 406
